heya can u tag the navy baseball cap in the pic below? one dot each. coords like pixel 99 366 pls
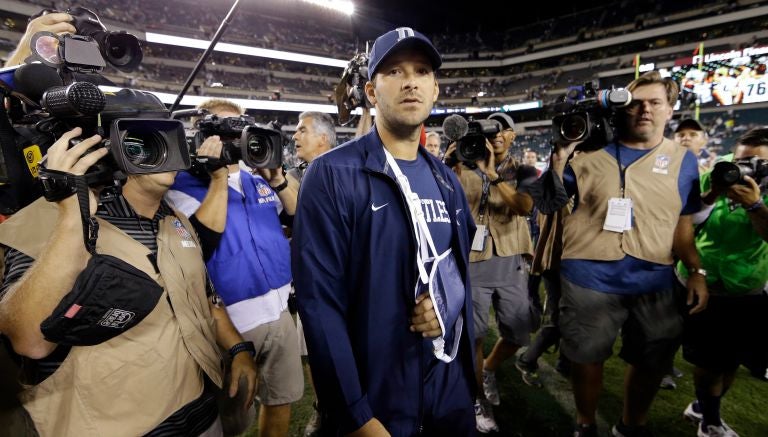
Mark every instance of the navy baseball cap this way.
pixel 398 39
pixel 690 123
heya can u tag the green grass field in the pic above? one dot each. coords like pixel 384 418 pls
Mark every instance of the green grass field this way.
pixel 531 412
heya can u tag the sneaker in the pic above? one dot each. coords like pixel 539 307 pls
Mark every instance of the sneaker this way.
pixel 716 431
pixel 490 389
pixel 621 430
pixel 530 376
pixel 668 383
pixel 692 413
pixel 485 422
pixel 314 426
pixel 585 430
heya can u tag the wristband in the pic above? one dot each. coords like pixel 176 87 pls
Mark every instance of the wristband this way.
pixel 698 271
pixel 280 187
pixel 498 180
pixel 245 346
pixel 754 207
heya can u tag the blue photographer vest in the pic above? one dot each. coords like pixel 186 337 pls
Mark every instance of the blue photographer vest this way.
pixel 254 255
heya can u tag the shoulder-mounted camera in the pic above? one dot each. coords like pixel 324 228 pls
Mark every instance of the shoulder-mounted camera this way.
pixel 588 115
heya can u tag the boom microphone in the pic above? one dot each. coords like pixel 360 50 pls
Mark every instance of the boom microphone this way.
pixel 455 127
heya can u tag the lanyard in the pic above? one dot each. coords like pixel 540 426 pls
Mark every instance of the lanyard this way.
pixel 421 229
pixel 622 169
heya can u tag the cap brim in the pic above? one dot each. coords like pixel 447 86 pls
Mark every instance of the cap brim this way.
pixel 689 124
pixel 414 43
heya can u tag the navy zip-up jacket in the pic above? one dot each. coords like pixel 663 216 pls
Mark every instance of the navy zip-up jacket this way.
pixel 354 265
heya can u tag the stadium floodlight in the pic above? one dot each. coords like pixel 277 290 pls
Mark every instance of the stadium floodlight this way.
pixel 343 6
pixel 244 50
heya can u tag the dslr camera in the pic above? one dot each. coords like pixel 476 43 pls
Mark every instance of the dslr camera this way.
pixel 588 115
pixel 259 146
pixel 726 174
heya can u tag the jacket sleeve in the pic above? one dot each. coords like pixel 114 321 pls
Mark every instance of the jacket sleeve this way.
pixel 320 252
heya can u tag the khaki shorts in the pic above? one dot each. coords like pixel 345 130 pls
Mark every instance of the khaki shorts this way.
pixel 651 325
pixel 281 379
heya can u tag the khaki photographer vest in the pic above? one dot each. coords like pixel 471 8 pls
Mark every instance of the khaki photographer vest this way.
pixel 656 211
pixel 128 385
pixel 508 232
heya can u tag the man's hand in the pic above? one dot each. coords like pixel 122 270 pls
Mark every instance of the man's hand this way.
pixel 372 428
pixel 243 367
pixel 273 176
pixel 489 165
pixel 76 161
pixel 746 195
pixel 211 148
pixel 424 318
pixel 697 292
pixel 58 23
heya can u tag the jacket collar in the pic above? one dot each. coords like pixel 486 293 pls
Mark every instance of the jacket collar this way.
pixel 376 161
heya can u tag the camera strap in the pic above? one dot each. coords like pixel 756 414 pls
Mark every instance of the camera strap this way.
pixel 426 246
pixel 90 225
pixel 485 194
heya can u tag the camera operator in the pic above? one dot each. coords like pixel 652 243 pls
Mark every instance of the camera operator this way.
pixel 153 379
pixel 44 21
pixel 733 250
pixel 498 267
pixel 315 135
pixel 251 271
pixel 632 216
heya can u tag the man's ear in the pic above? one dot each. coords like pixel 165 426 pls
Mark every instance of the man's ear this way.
pixel 370 92
pixel 437 91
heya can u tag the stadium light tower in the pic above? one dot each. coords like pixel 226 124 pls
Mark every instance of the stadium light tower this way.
pixel 343 6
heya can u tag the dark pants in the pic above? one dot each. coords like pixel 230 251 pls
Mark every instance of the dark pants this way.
pixel 549 334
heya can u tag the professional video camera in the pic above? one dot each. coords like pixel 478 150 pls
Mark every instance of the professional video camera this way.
pixel 58 94
pixel 588 115
pixel 259 146
pixel 470 136
pixel 350 92
pixel 726 173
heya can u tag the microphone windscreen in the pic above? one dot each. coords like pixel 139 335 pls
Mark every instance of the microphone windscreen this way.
pixel 32 80
pixel 76 99
pixel 455 126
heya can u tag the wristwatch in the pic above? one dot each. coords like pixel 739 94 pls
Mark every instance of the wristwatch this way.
pixel 498 180
pixel 699 271
pixel 280 187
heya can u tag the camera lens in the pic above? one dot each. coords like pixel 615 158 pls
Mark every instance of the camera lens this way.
pixel 144 149
pixel 257 148
pixel 574 127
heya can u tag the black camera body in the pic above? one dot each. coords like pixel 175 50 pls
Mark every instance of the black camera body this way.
pixel 472 146
pixel 121 49
pixel 350 91
pixel 726 174
pixel 258 146
pixel 588 115
pixel 61 93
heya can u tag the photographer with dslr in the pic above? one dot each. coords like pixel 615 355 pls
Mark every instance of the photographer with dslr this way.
pixel 46 20
pixel 502 245
pixel 251 271
pixel 105 374
pixel 632 216
pixel 731 242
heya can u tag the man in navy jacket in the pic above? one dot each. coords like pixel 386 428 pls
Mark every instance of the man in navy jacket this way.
pixel 356 267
